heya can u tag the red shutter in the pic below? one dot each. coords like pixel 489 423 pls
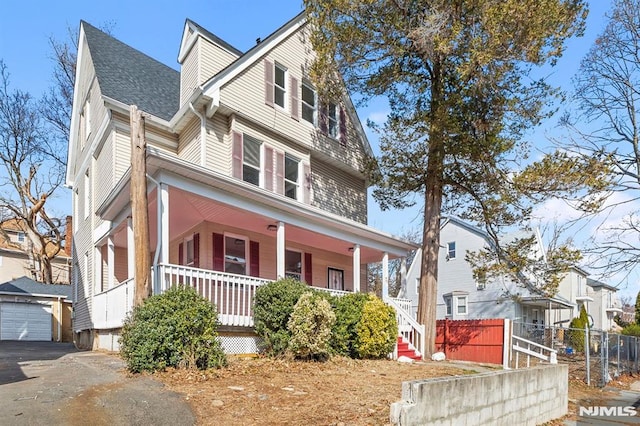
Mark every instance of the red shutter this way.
pixel 307 269
pixel 196 250
pixel 306 188
pixel 254 258
pixel 268 82
pixel 268 168
pixel 218 252
pixel 343 127
pixel 280 173
pixel 236 153
pixel 322 119
pixel 181 254
pixel 295 102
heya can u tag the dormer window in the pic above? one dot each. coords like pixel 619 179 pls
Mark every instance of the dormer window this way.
pixel 279 87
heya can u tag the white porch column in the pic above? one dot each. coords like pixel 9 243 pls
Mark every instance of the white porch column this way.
pixel 403 277
pixel 385 275
pixel 131 249
pixel 280 250
pixel 111 262
pixel 356 268
pixel 163 220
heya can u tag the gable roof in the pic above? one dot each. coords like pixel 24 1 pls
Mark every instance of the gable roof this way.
pixel 27 286
pixel 212 37
pixel 131 77
pixel 599 284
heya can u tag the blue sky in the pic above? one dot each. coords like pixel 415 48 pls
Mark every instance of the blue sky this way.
pixel 155 28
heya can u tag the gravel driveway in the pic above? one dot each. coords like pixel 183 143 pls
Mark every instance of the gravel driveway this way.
pixel 54 384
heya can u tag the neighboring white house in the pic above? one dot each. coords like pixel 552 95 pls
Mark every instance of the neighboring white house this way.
pixel 461 297
pixel 606 305
pixel 251 177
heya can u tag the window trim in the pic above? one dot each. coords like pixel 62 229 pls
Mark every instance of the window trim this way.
pixel 458 305
pixel 278 66
pixel 304 104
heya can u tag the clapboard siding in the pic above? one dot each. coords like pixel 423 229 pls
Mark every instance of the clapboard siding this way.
pixel 212 59
pixel 189 73
pixel 189 142
pixel 338 192
pixel 218 145
pixel 122 153
pixel 105 164
pixel 83 244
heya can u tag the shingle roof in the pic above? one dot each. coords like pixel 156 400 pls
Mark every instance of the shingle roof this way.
pixel 131 77
pixel 24 285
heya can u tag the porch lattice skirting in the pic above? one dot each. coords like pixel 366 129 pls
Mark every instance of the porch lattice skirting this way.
pixel 240 345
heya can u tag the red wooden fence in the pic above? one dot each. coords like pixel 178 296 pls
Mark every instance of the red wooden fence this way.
pixel 471 340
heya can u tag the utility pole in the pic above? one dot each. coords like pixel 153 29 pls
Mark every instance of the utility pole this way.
pixel 139 212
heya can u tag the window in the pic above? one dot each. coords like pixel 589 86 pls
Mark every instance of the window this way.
pixel 481 284
pixel 308 103
pixel 293 265
pixel 251 160
pixel 87 119
pixel 291 177
pixel 21 237
pixel 86 273
pixel 451 250
pixel 279 88
pixel 333 117
pixel 461 305
pixel 235 255
pixel 447 302
pixel 189 252
pixel 336 279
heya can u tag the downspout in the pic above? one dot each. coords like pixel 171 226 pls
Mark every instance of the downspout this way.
pixel 59 319
pixel 156 273
pixel 203 134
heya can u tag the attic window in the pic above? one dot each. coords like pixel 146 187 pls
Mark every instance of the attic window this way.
pixel 279 88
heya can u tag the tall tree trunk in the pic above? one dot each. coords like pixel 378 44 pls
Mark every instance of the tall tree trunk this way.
pixel 139 205
pixel 46 269
pixel 431 231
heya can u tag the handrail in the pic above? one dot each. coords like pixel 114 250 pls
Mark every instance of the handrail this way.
pixel 552 358
pixel 408 327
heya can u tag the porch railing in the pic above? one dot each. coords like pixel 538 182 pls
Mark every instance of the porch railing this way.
pixel 111 307
pixel 405 305
pixel 408 327
pixel 232 294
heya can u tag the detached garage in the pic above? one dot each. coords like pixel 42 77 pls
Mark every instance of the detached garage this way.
pixel 34 311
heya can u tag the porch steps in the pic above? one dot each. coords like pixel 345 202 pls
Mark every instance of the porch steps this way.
pixel 406 349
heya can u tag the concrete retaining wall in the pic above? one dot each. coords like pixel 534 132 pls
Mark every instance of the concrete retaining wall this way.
pixel 508 397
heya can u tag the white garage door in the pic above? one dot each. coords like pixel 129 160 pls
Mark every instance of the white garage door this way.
pixel 25 321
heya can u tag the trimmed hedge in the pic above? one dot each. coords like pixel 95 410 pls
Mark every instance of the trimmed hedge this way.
pixel 175 329
pixel 377 330
pixel 348 310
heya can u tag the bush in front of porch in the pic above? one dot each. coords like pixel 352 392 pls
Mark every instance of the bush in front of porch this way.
pixel 310 327
pixel 175 329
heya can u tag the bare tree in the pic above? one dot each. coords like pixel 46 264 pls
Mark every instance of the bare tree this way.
pixel 607 126
pixel 33 171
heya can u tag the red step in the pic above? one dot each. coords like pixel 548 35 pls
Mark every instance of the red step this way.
pixel 405 350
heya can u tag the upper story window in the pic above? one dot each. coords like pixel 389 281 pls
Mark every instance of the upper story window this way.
pixel 291 177
pixel 87 194
pixel 333 116
pixel 87 119
pixel 251 160
pixel 451 250
pixel 279 87
pixel 308 103
pixel 21 237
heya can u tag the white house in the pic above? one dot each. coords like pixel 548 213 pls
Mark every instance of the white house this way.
pixel 251 177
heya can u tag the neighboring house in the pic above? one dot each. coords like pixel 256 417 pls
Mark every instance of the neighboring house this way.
pixel 460 296
pixel 14 254
pixel 33 311
pixel 606 305
pixel 252 177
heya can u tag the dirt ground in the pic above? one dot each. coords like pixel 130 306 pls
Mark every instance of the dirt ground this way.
pixel 339 392
pixel 268 392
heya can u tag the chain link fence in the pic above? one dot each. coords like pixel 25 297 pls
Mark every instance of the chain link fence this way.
pixel 593 355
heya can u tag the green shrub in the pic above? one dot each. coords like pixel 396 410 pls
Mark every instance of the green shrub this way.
pixel 631 330
pixel 377 330
pixel 174 329
pixel 348 309
pixel 273 305
pixel 310 327
pixel 576 334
